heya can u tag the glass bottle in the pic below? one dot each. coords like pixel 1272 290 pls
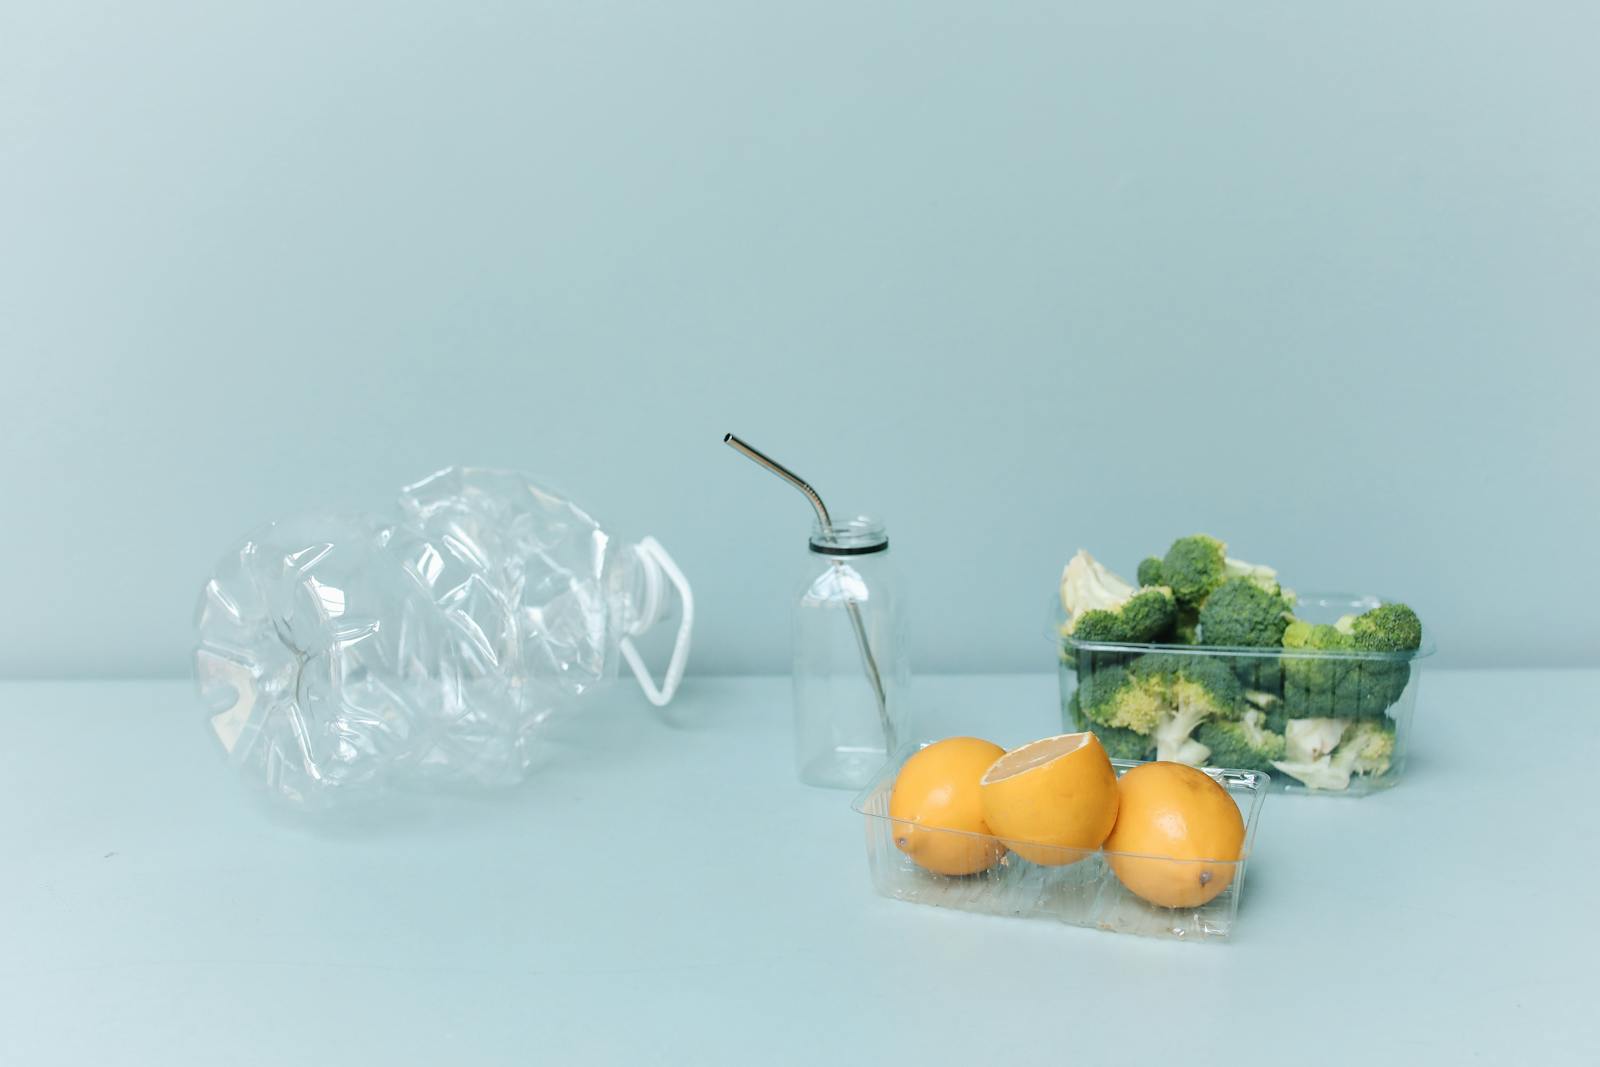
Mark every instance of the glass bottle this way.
pixel 850 666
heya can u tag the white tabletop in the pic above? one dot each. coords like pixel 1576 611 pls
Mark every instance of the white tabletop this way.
pixel 664 891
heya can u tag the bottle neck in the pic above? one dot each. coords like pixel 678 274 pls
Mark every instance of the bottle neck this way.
pixel 860 536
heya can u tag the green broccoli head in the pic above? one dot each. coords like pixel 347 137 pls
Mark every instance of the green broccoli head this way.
pixel 1116 697
pixel 1196 565
pixel 1368 748
pixel 1145 616
pixel 1119 743
pixel 1315 637
pixel 1199 680
pixel 1386 628
pixel 1186 627
pixel 1277 718
pixel 1376 685
pixel 1102 607
pixel 1162 697
pixel 1391 629
pixel 1263 673
pixel 1241 612
pixel 1256 574
pixel 1316 686
pixel 1350 686
pixel 1150 571
pixel 1198 688
pixel 1246 744
pixel 1193 567
pixel 1124 744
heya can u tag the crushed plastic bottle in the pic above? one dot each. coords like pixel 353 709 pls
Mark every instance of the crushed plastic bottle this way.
pixel 339 656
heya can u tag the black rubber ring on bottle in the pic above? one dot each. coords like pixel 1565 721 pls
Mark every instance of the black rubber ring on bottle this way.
pixel 848 550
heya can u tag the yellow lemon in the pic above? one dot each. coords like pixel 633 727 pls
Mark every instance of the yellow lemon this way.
pixel 937 791
pixel 1052 801
pixel 1172 810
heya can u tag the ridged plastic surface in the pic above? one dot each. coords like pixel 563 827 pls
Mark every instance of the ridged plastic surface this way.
pixel 338 655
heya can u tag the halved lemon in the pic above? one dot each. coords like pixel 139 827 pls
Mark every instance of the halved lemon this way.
pixel 1052 801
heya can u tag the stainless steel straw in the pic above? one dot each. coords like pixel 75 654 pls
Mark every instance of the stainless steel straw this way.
pixel 868 661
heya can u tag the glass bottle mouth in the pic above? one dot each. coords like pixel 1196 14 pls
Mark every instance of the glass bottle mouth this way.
pixel 853 537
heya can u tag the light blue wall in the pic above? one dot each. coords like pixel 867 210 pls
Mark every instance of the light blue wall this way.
pixel 1323 279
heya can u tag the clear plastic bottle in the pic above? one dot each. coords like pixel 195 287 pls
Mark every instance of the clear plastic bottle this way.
pixel 427 645
pixel 850 667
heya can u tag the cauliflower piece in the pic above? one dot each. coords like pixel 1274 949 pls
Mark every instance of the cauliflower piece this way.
pixel 1308 740
pixel 1087 585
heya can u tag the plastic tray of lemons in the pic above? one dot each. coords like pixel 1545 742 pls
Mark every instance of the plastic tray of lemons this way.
pixel 1056 829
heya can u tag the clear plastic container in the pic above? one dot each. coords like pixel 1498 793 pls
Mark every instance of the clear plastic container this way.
pixel 1364 698
pixel 1083 892
pixel 850 666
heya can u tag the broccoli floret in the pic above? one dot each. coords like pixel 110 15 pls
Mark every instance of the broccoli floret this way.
pixel 1143 617
pixel 1115 696
pixel 1242 613
pixel 1392 629
pixel 1163 697
pixel 1262 673
pixel 1124 744
pixel 1150 571
pixel 1119 743
pixel 1315 636
pixel 1346 685
pixel 1199 688
pixel 1186 628
pixel 1366 748
pixel 1277 718
pixel 1102 607
pixel 1256 574
pixel 1195 566
pixel 1317 686
pixel 1386 628
pixel 1246 744
pixel 1374 686
pixel 1197 678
